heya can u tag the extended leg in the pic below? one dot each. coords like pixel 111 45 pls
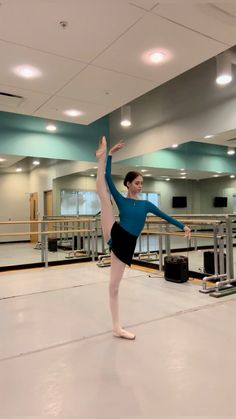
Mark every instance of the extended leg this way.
pixel 117 270
pixel 107 215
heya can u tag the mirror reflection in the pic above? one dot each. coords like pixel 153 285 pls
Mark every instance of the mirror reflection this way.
pixel 61 191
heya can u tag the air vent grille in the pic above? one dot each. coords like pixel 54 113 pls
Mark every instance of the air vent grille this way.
pixel 10 100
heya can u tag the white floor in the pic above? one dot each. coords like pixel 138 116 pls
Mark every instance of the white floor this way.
pixel 58 357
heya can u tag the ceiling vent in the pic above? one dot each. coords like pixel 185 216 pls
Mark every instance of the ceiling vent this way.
pixel 9 99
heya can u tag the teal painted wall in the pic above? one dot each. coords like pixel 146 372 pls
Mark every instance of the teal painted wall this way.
pixel 27 136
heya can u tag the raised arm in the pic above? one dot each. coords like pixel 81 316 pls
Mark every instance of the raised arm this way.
pixel 156 211
pixel 114 192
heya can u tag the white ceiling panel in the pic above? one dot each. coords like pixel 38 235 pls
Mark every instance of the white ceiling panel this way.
pixel 55 107
pixel 92 25
pixel 55 71
pixel 105 87
pixel 152 32
pixel 30 102
pixel 217 20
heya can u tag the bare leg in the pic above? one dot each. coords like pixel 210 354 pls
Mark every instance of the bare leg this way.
pixel 117 270
pixel 107 215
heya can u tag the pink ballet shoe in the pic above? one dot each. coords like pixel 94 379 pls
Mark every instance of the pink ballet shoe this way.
pixel 102 149
pixel 123 334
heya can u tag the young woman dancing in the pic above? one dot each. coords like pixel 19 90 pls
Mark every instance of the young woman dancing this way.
pixel 122 236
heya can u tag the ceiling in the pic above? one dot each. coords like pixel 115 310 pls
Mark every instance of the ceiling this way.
pixel 90 54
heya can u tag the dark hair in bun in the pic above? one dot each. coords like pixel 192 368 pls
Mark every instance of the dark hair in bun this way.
pixel 130 177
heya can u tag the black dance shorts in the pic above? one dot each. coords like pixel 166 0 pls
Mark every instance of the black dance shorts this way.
pixel 122 243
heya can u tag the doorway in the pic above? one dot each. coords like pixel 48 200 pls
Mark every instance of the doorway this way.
pixel 48 203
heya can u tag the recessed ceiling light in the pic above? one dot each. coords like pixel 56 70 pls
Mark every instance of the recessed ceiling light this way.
pixel 143 170
pixel 167 179
pixel 51 127
pixel 36 162
pixel 147 174
pixel 73 113
pixel 95 167
pixel 215 175
pixel 209 136
pixel 232 176
pixel 182 169
pixel 27 71
pixel 19 169
pixel 183 177
pixel 92 174
pixel 157 57
pixel 183 173
pixel 175 145
pixel 2 160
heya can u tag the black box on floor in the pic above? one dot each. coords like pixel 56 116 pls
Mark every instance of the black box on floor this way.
pixel 52 245
pixel 176 268
pixel 208 262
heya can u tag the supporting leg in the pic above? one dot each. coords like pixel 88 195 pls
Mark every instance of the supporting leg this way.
pixel 117 270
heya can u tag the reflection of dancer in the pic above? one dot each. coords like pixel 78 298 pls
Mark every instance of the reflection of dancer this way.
pixel 122 236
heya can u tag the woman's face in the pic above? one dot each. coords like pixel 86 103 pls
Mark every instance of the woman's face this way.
pixel 136 185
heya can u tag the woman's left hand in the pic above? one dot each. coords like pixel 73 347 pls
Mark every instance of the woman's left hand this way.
pixel 187 232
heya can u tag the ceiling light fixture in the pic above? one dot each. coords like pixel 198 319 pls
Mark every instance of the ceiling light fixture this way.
pixel 19 169
pixel 157 57
pixel 27 71
pixel 2 160
pixel 51 127
pixel 223 68
pixel 126 116
pixel 36 162
pixel 231 151
pixel 167 179
pixel 209 136
pixel 175 145
pixel 73 113
pixel 232 176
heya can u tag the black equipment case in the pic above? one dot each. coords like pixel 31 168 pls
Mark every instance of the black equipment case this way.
pixel 209 263
pixel 176 268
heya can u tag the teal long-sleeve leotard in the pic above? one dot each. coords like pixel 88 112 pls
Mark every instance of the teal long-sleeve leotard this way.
pixel 133 212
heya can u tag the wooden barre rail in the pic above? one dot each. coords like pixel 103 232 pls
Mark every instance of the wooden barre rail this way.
pixel 47 232
pixel 46 222
pixel 181 234
pixel 184 221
